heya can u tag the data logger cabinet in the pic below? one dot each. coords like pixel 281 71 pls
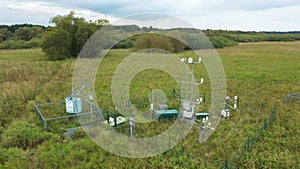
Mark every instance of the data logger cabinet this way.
pixel 73 105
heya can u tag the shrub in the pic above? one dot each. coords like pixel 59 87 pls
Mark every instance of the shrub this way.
pixel 221 42
pixel 73 154
pixel 279 38
pixel 12 158
pixel 20 44
pixel 244 38
pixel 34 43
pixel 22 134
pixel 56 44
pixel 1 129
pixel 156 41
pixel 125 44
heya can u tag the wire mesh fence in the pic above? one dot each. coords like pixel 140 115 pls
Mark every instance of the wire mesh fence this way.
pixel 231 163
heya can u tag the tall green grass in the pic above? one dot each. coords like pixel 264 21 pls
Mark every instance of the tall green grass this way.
pixel 261 74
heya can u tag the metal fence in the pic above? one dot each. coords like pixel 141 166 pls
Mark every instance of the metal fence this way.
pixel 292 97
pixel 230 163
pixel 94 110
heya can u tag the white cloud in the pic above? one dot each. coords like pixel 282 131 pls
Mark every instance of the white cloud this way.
pixel 278 15
pixel 155 20
pixel 274 19
pixel 39 12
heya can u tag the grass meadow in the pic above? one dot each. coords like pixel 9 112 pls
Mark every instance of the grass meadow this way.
pixel 260 74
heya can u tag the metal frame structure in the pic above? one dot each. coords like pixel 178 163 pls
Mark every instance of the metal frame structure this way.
pixel 82 85
pixel 203 130
pixel 131 126
pixel 188 103
pixel 94 110
pixel 294 96
pixel 234 105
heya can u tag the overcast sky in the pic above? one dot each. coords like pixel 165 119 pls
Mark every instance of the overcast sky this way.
pixel 247 15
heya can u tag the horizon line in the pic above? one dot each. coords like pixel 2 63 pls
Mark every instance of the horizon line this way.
pixel 204 29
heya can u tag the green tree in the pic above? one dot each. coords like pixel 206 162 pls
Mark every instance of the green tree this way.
pixel 56 44
pixel 24 33
pixel 38 31
pixel 68 36
pixel 4 34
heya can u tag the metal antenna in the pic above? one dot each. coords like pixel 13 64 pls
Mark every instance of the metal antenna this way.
pixel 131 126
pixel 234 105
pixel 203 130
pixel 188 101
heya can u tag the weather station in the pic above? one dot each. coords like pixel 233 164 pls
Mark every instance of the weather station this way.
pixel 189 102
pixel 229 104
pixel 186 96
pixel 80 102
pixel 71 108
pixel 113 119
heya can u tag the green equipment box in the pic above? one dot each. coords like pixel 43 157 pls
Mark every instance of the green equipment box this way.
pixel 166 113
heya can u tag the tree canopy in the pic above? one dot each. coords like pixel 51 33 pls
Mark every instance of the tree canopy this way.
pixel 67 37
pixel 27 33
pixel 4 34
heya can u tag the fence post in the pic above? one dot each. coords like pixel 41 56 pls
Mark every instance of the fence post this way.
pixel 226 165
pixel 265 125
pixel 249 143
pixel 287 99
pixel 169 143
pixel 273 115
pixel 45 125
pixel 107 113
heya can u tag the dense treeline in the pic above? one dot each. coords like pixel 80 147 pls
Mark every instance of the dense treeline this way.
pixel 68 35
pixel 13 28
pixel 218 38
pixel 20 36
pixel 245 37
